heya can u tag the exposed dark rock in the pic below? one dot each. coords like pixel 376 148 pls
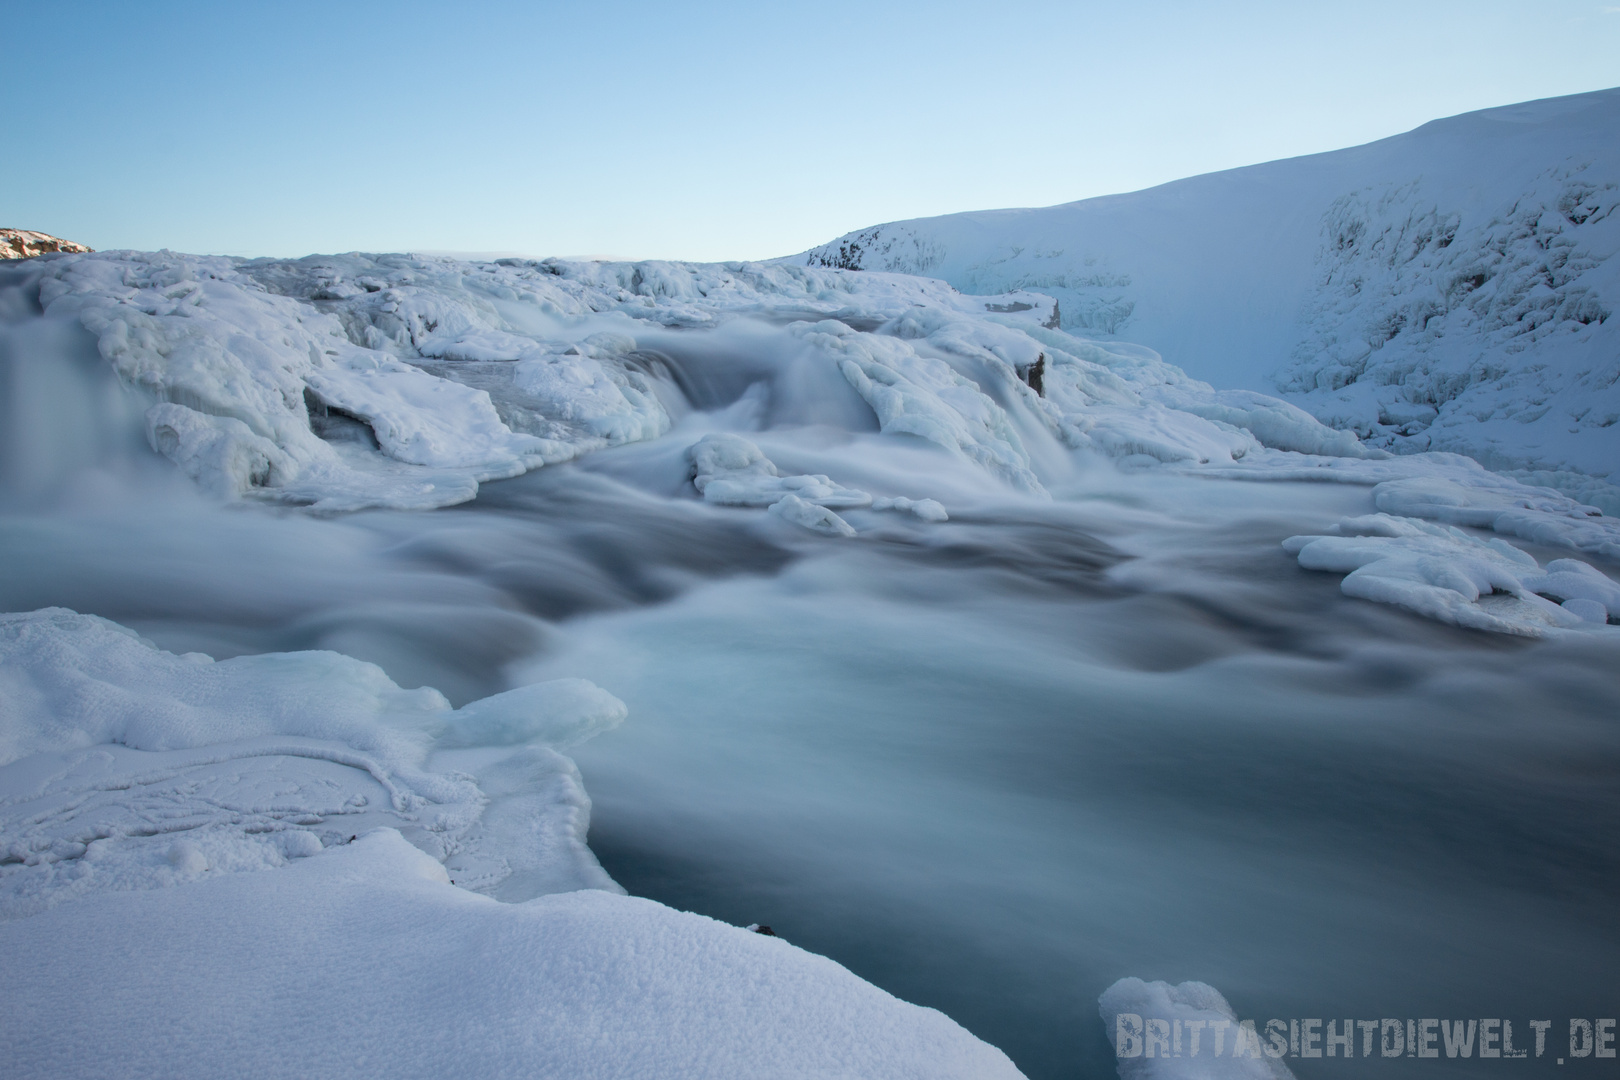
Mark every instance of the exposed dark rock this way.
pixel 1035 375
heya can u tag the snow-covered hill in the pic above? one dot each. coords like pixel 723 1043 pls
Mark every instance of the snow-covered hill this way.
pixel 1452 288
pixel 25 244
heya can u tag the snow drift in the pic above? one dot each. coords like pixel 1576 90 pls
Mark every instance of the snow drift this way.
pixel 367 961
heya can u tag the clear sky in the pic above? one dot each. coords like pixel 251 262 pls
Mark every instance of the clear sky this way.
pixel 705 131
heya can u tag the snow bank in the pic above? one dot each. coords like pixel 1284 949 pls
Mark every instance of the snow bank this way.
pixel 1443 573
pixel 364 960
pixel 1479 328
pixel 124 767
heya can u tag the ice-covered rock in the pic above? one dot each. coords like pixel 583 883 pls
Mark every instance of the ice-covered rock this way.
pixel 811 516
pixel 728 470
pixel 1488 501
pixel 1443 573
pixel 1161 1031
pixel 926 509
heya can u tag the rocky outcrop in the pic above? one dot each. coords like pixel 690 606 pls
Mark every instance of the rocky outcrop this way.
pixel 23 244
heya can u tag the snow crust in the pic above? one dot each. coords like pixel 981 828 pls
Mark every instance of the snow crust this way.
pixel 1452 288
pixel 364 960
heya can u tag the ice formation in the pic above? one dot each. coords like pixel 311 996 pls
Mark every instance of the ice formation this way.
pixel 1238 1055
pixel 728 470
pixel 1446 574
pixel 125 767
pixel 355 380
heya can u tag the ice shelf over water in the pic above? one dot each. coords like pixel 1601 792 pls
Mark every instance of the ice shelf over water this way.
pixel 126 767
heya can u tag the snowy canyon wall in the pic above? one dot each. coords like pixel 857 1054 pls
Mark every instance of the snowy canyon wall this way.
pixel 1452 288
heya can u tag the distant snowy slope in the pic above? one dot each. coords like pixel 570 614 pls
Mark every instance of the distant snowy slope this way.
pixel 1450 288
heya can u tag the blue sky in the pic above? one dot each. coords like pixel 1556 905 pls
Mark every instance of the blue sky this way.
pixel 704 131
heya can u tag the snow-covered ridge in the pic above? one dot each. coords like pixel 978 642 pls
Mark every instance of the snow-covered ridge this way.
pixel 26 244
pixel 1451 288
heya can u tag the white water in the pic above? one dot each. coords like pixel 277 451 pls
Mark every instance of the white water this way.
pixel 991 764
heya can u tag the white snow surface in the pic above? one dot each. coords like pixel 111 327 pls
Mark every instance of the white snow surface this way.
pixel 1452 288
pixel 364 961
